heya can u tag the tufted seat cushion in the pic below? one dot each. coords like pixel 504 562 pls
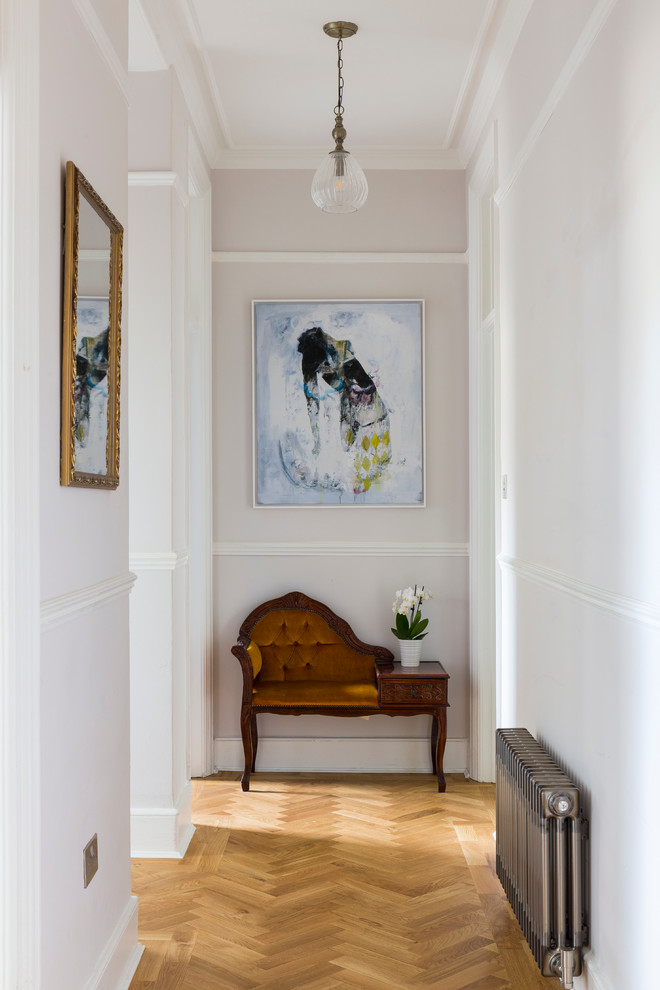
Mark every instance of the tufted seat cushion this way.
pixel 299 645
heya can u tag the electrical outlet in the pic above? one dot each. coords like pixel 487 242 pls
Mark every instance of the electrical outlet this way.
pixel 91 859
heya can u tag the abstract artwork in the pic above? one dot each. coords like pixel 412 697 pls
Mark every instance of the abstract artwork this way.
pixel 339 411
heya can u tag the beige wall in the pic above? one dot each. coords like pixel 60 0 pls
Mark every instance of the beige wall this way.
pixel 406 212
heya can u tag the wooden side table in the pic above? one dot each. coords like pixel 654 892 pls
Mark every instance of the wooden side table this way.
pixel 418 691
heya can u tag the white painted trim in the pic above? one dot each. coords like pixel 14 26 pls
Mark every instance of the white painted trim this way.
pixel 93 23
pixel 593 977
pixel 153 179
pixel 342 755
pixel 93 254
pixel 310 549
pixel 199 179
pixel 200 465
pixel 190 18
pixel 514 15
pixel 483 490
pixel 340 257
pixel 20 708
pixel 117 965
pixel 473 65
pixel 172 29
pixel 634 609
pixel 370 158
pixel 570 69
pixel 167 560
pixel 62 608
pixel 163 833
pixel 144 54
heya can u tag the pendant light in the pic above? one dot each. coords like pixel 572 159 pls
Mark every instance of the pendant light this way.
pixel 339 185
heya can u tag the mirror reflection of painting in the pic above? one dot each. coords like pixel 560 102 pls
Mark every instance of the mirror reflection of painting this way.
pixel 91 385
pixel 339 413
pixel 91 338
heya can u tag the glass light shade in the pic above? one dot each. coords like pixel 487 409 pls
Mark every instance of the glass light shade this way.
pixel 339 185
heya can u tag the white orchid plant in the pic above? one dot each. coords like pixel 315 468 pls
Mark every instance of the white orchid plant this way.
pixel 407 608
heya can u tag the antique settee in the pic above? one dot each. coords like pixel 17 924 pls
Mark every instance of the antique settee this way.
pixel 299 658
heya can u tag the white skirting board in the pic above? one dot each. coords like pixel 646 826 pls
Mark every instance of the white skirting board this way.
pixel 386 755
pixel 592 977
pixel 117 965
pixel 162 833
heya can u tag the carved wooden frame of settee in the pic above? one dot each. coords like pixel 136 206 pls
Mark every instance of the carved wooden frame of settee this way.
pixel 250 707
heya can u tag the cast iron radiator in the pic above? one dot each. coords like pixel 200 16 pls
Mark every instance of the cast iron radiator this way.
pixel 540 860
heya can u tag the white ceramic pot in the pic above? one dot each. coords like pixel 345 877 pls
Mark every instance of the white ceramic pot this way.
pixel 411 652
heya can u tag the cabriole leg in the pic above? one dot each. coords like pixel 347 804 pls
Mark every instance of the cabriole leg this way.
pixel 434 743
pixel 246 733
pixel 255 741
pixel 440 732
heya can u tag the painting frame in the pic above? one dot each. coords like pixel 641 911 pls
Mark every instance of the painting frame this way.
pixel 90 365
pixel 338 423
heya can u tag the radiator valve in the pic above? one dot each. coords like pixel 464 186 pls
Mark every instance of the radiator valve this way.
pixel 562 964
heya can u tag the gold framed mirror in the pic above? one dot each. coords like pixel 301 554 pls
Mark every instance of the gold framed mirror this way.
pixel 91 338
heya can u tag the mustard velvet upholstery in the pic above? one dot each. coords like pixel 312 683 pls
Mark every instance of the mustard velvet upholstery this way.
pixel 302 694
pixel 298 658
pixel 255 657
pixel 299 645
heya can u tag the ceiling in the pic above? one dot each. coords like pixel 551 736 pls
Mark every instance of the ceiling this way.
pixel 262 75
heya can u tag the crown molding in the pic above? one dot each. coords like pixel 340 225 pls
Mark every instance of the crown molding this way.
pixel 144 54
pixel 93 23
pixel 370 158
pixel 471 71
pixel 570 69
pixel 513 15
pixel 170 23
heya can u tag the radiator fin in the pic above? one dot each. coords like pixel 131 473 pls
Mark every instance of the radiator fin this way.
pixel 539 852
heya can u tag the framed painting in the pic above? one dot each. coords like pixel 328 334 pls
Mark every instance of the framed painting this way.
pixel 338 403
pixel 89 456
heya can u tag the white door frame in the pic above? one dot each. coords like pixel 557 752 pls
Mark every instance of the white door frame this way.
pixel 20 790
pixel 484 461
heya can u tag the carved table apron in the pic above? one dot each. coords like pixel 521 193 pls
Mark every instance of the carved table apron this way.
pixel 418 691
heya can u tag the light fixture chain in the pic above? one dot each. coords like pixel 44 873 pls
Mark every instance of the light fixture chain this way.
pixel 340 79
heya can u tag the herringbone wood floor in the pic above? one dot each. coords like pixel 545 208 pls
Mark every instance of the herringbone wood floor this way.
pixel 333 882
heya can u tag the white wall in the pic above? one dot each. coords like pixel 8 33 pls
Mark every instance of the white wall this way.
pixel 578 119
pixel 161 151
pixel 406 212
pixel 89 937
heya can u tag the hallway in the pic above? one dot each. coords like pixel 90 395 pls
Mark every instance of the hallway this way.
pixel 328 881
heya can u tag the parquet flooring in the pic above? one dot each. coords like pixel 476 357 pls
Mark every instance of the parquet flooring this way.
pixel 333 882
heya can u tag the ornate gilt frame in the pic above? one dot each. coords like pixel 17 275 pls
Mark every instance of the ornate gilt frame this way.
pixel 77 186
